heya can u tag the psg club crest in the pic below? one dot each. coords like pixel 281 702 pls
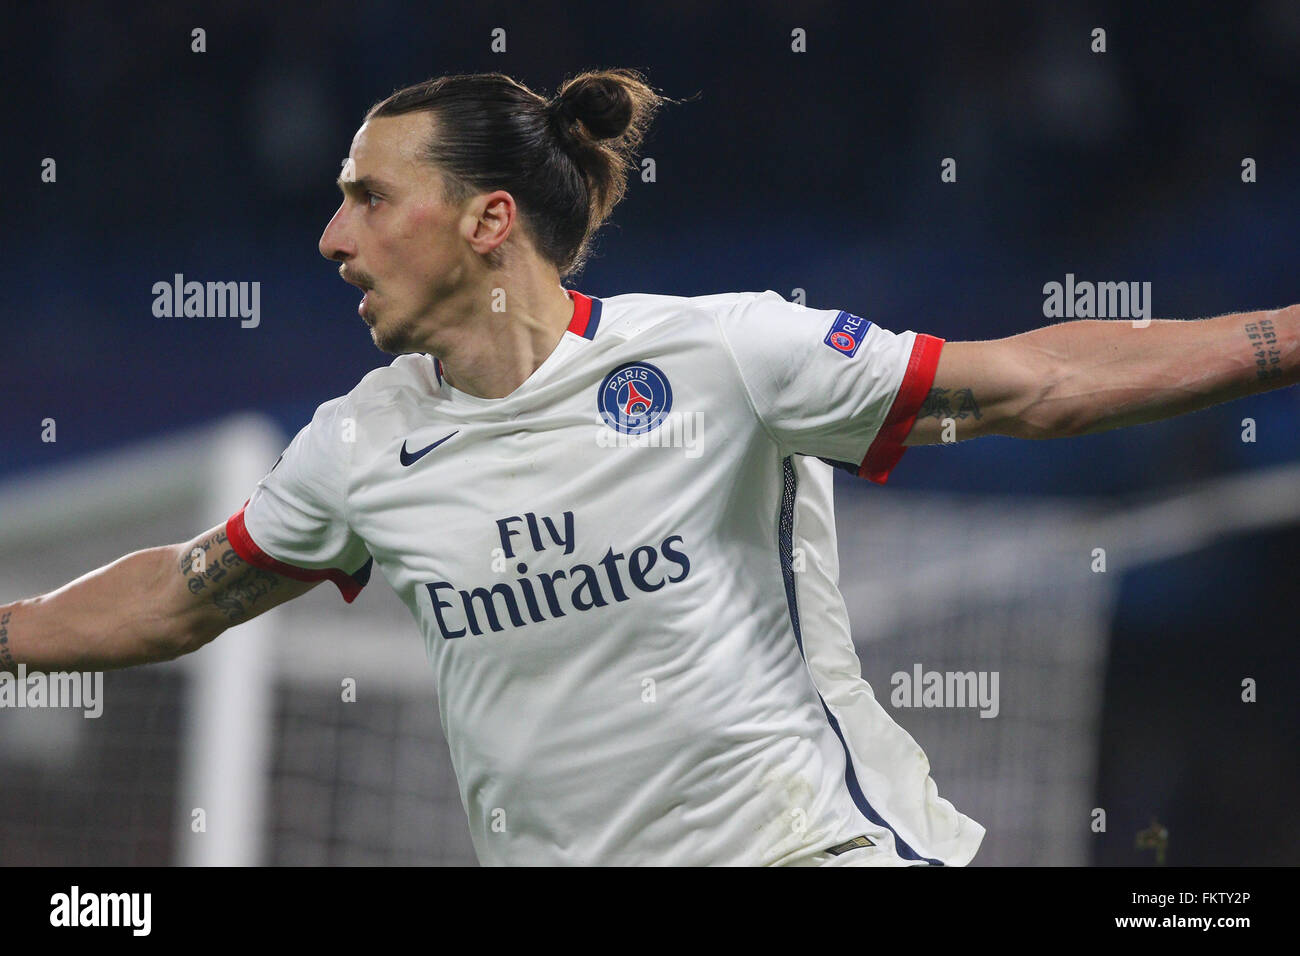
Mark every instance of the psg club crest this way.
pixel 634 398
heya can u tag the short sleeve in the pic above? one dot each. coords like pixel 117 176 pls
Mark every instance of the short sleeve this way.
pixel 827 383
pixel 295 521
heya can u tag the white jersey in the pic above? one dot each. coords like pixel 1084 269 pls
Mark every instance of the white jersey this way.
pixel 625 573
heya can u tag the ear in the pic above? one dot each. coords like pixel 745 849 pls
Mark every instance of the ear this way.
pixel 493 217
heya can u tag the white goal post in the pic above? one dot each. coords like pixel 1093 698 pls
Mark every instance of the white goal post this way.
pixel 202 475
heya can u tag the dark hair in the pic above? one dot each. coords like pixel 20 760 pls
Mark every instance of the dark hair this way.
pixel 565 160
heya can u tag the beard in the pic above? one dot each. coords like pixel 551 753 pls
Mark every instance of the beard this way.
pixel 393 336
pixel 402 326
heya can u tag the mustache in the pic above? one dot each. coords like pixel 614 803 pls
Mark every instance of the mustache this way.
pixel 355 278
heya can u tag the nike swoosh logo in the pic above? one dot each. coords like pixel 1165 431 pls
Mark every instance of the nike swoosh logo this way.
pixel 410 458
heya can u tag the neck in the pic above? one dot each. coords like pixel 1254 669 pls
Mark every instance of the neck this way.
pixel 488 353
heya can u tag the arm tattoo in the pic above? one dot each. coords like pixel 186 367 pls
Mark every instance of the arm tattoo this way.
pixel 1263 342
pixel 939 404
pixel 6 658
pixel 235 585
pixel 189 559
pixel 237 597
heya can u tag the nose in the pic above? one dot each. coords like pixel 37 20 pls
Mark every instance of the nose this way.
pixel 335 243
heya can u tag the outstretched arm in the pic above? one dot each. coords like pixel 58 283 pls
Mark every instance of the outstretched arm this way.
pixel 1091 375
pixel 151 605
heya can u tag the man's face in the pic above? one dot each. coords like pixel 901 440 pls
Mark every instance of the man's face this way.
pixel 393 234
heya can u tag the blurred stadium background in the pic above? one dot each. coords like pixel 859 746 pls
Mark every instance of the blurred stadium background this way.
pixel 1119 691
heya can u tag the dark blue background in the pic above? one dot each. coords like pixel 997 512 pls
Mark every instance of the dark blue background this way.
pixel 818 171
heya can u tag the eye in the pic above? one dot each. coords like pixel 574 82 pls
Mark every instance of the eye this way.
pixel 371 199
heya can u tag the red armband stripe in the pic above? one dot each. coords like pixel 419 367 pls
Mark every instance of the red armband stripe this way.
pixel 888 447
pixel 244 546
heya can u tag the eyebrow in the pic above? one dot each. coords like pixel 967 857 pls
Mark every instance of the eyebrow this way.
pixel 364 184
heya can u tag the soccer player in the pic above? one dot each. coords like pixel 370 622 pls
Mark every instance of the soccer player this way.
pixel 611 518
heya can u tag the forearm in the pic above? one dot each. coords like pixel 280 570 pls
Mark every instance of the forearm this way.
pixel 1111 374
pixel 103 620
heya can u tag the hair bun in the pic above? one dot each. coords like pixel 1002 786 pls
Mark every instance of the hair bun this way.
pixel 601 101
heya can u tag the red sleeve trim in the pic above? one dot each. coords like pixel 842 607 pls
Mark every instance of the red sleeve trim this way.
pixel 246 548
pixel 888 447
